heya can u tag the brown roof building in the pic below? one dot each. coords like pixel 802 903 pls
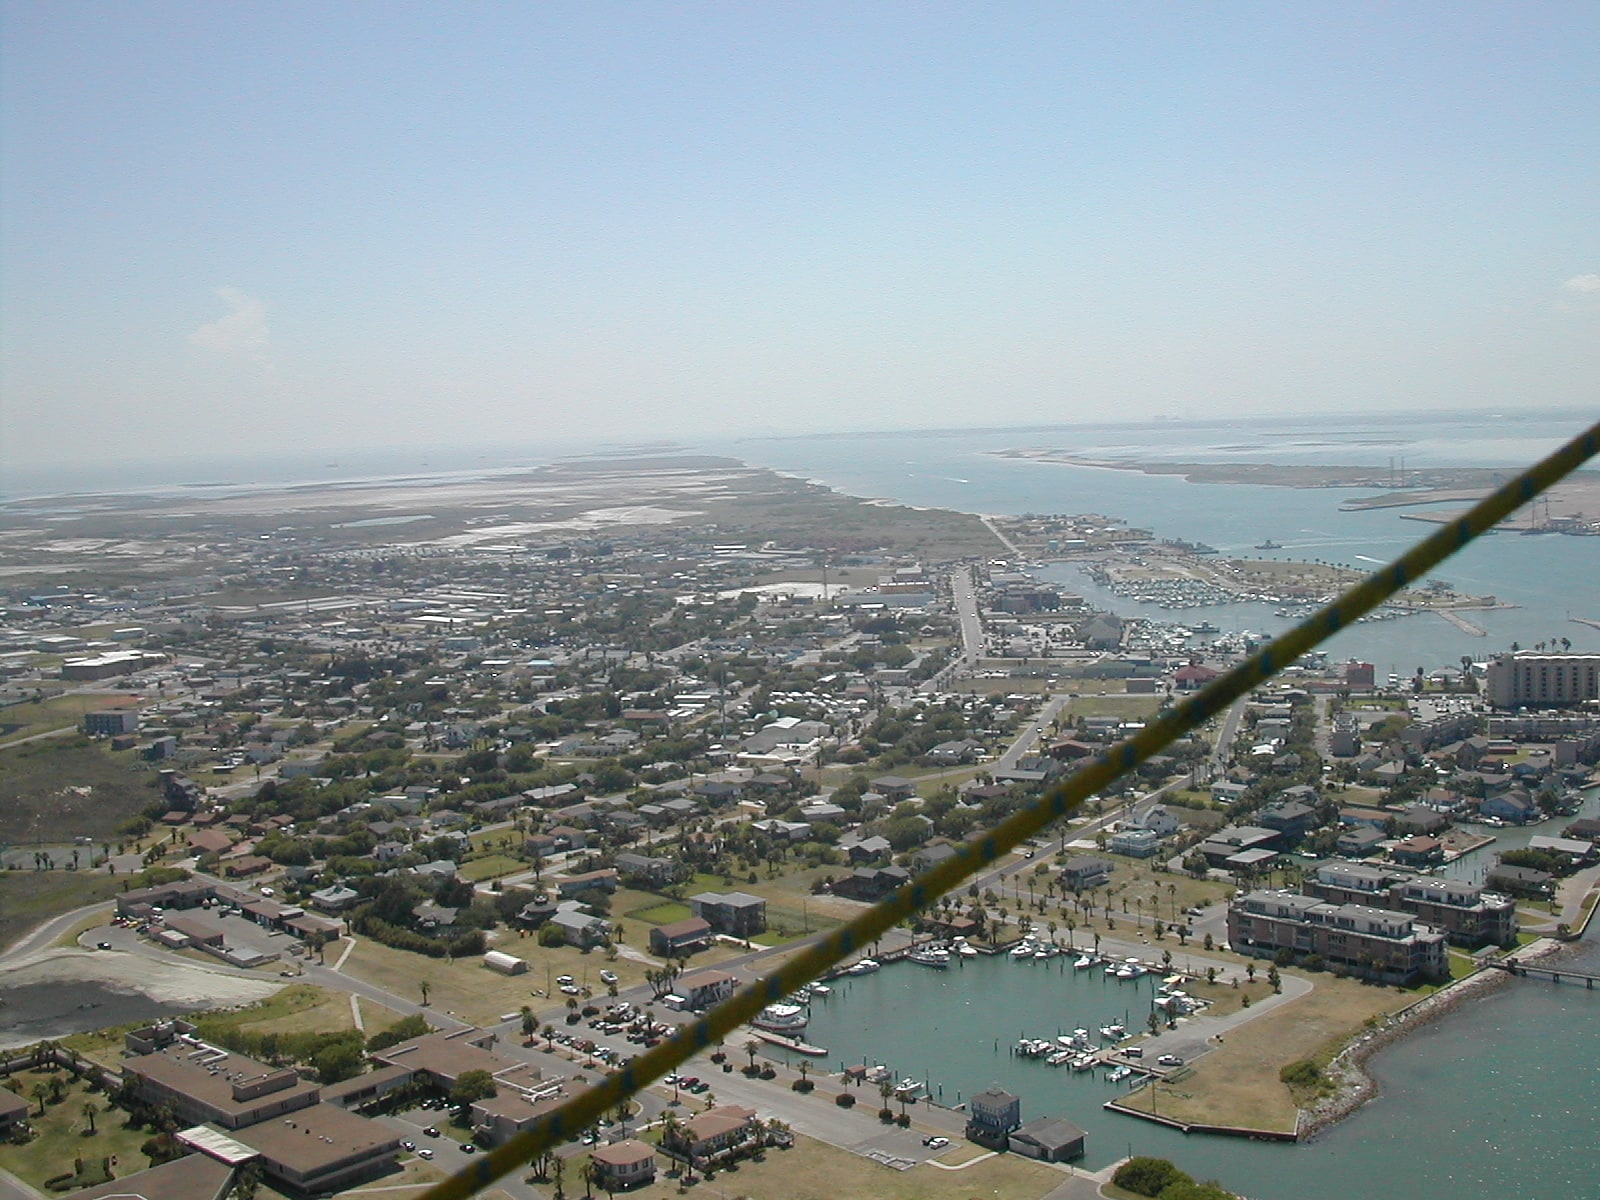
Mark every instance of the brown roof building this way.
pixel 204 1084
pixel 323 1148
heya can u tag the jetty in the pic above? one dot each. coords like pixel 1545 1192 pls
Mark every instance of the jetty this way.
pixel 1462 623
pixel 1555 974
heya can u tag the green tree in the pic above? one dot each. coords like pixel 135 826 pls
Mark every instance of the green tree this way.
pixel 472 1085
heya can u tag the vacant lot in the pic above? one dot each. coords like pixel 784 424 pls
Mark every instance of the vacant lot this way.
pixel 29 897
pixel 69 787
pixel 1237 1083
pixel 55 712
pixel 814 1171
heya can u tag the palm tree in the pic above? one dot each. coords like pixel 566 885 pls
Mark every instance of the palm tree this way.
pixel 41 1093
pixel 752 1047
pixel 90 1108
pixel 424 987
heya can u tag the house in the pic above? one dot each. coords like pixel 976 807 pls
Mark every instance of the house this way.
pixel 867 849
pixel 625 1164
pixel 335 899
pixel 932 855
pixel 716 1131
pixel 1521 881
pixel 579 927
pixel 575 885
pixel 1418 851
pixel 703 989
pixel 1292 819
pixel 1517 808
pixel 1360 841
pixel 870 883
pixel 1134 843
pixel 645 869
pixel 895 787
pixel 736 914
pixel 1158 819
pixel 1085 871
pixel 991 1116
pixel 1049 1139
pixel 681 937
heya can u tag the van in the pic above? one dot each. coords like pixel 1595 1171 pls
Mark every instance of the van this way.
pixel 1133 1052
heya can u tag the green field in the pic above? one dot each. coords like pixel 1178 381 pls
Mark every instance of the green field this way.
pixel 69 787
pixel 664 913
pixel 63 1133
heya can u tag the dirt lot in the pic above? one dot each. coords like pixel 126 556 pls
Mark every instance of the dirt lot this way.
pixel 1237 1084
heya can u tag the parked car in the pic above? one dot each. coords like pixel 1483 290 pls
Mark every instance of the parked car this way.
pixel 1169 1060
pixel 424 1153
pixel 936 1143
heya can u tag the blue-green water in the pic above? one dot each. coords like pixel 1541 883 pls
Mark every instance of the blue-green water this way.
pixel 1496 1099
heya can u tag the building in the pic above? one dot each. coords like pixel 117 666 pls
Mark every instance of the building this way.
pixel 624 1164
pixel 720 1130
pixel 991 1116
pixel 13 1111
pixel 736 914
pixel 1528 680
pixel 1469 915
pixel 681 937
pixel 705 988
pixel 1085 871
pixel 192 1177
pixel 322 1149
pixel 506 964
pixel 1049 1139
pixel 208 1085
pixel 1375 942
pixel 111 722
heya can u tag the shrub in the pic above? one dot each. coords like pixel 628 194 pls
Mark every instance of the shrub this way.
pixel 768 1073
pixel 886 1115
pixel 843 1099
pixel 1148 1176
pixel 1304 1073
pixel 903 1120
pixel 803 1086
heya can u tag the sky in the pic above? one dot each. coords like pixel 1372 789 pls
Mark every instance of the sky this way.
pixel 237 229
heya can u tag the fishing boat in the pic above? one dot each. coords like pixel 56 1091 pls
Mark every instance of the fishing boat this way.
pixel 865 967
pixel 1024 950
pixel 1084 962
pixel 964 948
pixel 931 956
pixel 1114 1032
pixel 1118 1074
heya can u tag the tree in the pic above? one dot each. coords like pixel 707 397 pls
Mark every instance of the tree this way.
pixel 41 1093
pixel 472 1085
pixel 530 1024
pixel 424 987
pixel 90 1108
pixel 752 1047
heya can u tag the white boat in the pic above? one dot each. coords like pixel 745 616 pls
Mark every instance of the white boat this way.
pixel 1114 1032
pixel 963 948
pixel 1084 963
pixel 781 1018
pixel 1061 1057
pixel 1084 1062
pixel 1041 953
pixel 1118 1074
pixel 865 967
pixel 931 956
pixel 1023 950
pixel 820 989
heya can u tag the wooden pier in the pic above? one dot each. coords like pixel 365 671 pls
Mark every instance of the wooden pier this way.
pixel 1533 971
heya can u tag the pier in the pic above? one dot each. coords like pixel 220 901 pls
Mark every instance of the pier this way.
pixel 1532 971
pixel 1462 623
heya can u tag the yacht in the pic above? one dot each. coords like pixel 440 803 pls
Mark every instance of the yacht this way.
pixel 1084 962
pixel 1114 1031
pixel 964 948
pixel 781 1018
pixel 931 956
pixel 865 967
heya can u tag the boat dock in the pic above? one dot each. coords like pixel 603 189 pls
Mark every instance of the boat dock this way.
pixel 1533 971
pixel 788 1043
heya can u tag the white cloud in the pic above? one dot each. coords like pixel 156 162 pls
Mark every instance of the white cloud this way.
pixel 1583 285
pixel 242 332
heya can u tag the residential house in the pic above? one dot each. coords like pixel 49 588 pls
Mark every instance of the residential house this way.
pixel 703 989
pixel 737 914
pixel 1048 1139
pixel 681 937
pixel 717 1131
pixel 1085 871
pixel 623 1165
pixel 991 1116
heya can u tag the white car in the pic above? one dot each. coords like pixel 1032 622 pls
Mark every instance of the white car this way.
pixel 608 977
pixel 936 1143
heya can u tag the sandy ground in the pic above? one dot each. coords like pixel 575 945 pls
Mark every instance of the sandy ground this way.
pixel 175 982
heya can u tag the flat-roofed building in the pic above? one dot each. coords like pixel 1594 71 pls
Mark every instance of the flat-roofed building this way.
pixel 206 1085
pixel 322 1149
pixel 1376 942
pixel 442 1058
pixel 192 1177
pixel 1542 680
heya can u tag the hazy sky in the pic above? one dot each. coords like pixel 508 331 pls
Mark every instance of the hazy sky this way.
pixel 239 228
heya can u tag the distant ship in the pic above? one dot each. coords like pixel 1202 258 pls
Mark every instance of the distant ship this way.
pixel 1269 544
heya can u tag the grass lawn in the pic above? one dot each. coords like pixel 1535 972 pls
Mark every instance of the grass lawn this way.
pixel 97 920
pixel 814 1171
pixel 29 897
pixel 1133 708
pixel 663 913
pixel 476 870
pixel 63 1133
pixel 1237 1083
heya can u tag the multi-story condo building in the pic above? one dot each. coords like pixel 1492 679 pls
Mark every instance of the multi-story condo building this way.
pixel 1542 680
pixel 1375 942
